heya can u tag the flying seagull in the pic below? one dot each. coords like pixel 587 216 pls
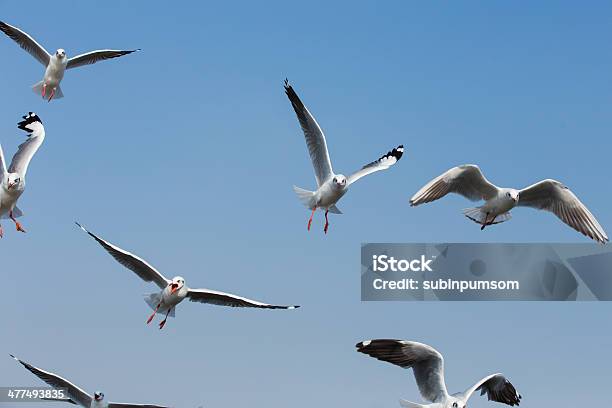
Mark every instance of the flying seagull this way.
pixel 330 186
pixel 549 195
pixel 76 395
pixel 174 291
pixel 58 63
pixel 12 181
pixel 428 367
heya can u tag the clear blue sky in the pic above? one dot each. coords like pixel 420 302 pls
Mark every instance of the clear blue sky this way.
pixel 185 153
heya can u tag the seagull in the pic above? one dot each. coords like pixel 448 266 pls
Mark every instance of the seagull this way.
pixel 549 195
pixel 428 367
pixel 174 291
pixel 76 395
pixel 330 186
pixel 12 181
pixel 57 64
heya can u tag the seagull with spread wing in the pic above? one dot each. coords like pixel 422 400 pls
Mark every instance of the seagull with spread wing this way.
pixel 331 187
pixel 174 291
pixel 56 64
pixel 76 395
pixel 549 195
pixel 428 367
pixel 12 180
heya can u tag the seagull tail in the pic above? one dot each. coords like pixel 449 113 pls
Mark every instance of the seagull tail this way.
pixel 408 404
pixel 38 87
pixel 306 197
pixel 16 213
pixel 479 216
pixel 153 300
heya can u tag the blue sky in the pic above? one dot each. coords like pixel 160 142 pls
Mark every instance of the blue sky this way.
pixel 185 154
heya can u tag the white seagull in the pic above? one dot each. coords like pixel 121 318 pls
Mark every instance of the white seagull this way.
pixel 12 181
pixel 174 291
pixel 330 186
pixel 428 367
pixel 549 195
pixel 56 64
pixel 76 395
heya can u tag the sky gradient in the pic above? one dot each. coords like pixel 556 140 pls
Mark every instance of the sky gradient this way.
pixel 185 154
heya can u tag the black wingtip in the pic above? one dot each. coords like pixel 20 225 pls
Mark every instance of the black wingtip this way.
pixel 29 119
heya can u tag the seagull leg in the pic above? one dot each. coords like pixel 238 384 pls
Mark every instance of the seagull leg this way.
pixel 310 219
pixel 1 232
pixel 17 224
pixel 44 90
pixel 326 222
pixel 51 95
pixel 163 322
pixel 150 319
pixel 484 224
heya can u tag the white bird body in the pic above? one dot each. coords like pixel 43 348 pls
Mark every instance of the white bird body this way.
pixel 13 178
pixel 331 187
pixel 550 195
pixel 174 291
pixel 56 64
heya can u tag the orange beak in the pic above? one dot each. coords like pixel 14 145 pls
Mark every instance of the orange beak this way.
pixel 173 288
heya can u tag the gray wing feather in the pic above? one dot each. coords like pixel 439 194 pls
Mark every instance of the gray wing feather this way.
pixel 315 139
pixel 426 363
pixel 94 56
pixel 227 299
pixel 75 393
pixel 26 42
pixel 551 195
pixel 497 388
pixel 137 265
pixel 25 152
pixel 383 163
pixel 3 171
pixel 466 180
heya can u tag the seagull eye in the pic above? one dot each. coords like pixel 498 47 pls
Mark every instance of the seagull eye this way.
pixel 455 405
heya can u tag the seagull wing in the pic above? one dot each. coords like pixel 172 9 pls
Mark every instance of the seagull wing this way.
pixel 497 388
pixel 32 124
pixel 75 393
pixel 137 265
pixel 426 363
pixel 227 299
pixel 551 195
pixel 123 405
pixel 315 139
pixel 3 171
pixel 27 43
pixel 466 180
pixel 94 56
pixel 382 163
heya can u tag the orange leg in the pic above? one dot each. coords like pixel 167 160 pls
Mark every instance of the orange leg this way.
pixel 311 215
pixel 326 222
pixel 163 322
pixel 17 224
pixel 52 95
pixel 1 232
pixel 150 319
pixel 44 90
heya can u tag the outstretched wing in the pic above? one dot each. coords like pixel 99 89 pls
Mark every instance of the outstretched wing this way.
pixel 26 42
pixel 32 124
pixel 227 299
pixel 75 393
pixel 315 139
pixel 382 163
pixel 94 56
pixel 123 405
pixel 551 195
pixel 137 265
pixel 497 388
pixel 426 363
pixel 466 180
pixel 3 171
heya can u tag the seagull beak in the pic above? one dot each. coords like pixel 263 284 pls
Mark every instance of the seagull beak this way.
pixel 9 186
pixel 173 288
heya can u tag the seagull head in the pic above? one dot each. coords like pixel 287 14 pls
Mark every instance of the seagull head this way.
pixel 60 53
pixel 513 195
pixel 456 403
pixel 98 396
pixel 339 181
pixel 177 283
pixel 13 182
